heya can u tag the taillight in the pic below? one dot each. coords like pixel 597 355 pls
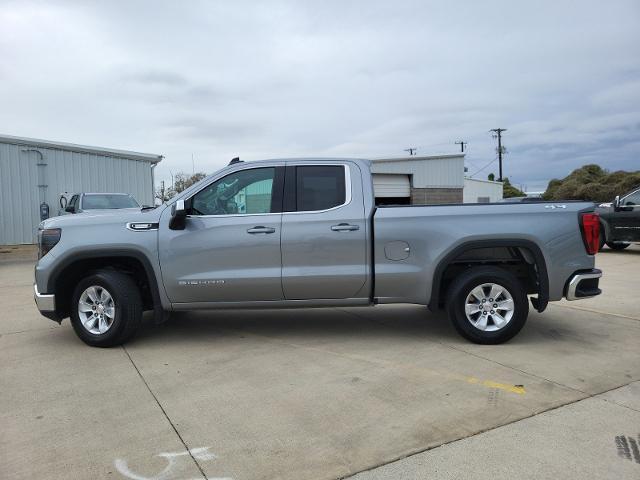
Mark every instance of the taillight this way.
pixel 591 232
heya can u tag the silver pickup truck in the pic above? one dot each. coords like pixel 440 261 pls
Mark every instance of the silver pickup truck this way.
pixel 307 233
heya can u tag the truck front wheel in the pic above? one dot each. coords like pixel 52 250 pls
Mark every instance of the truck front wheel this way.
pixel 487 305
pixel 106 308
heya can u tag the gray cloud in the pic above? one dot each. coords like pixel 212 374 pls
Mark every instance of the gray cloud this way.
pixel 268 79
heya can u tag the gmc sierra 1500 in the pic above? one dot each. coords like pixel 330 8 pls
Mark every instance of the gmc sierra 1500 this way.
pixel 307 233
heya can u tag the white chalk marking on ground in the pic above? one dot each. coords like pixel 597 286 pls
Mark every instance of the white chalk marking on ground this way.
pixel 201 453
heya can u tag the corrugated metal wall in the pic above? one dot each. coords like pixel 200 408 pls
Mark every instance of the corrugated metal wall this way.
pixel 61 171
pixel 427 172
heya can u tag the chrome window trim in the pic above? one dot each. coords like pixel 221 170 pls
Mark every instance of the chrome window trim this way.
pixel 227 215
pixel 347 189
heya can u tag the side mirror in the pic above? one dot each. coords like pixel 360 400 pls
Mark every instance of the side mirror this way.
pixel 616 203
pixel 178 216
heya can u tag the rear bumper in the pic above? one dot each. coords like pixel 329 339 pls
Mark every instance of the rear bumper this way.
pixel 46 303
pixel 583 284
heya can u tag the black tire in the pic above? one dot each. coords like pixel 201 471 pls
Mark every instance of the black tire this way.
pixel 462 286
pixel 127 307
pixel 617 245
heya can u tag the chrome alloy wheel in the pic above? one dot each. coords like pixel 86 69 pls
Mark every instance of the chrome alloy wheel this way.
pixel 489 307
pixel 96 310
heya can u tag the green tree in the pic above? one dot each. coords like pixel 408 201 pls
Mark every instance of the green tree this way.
pixel 181 182
pixel 492 177
pixel 509 191
pixel 592 183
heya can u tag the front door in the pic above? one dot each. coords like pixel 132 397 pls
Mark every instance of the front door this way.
pixel 323 233
pixel 229 250
pixel 626 221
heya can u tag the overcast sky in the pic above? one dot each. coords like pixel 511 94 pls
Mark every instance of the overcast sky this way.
pixel 358 79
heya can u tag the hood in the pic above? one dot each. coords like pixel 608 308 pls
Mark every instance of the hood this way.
pixel 109 210
pixel 101 217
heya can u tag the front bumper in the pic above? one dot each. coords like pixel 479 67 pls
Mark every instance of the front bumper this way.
pixel 46 303
pixel 583 284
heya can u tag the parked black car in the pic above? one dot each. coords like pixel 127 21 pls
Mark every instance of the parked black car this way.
pixel 620 221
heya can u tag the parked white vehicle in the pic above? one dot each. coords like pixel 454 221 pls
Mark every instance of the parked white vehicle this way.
pixel 82 202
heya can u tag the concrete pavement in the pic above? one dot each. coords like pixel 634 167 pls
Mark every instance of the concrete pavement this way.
pixel 578 441
pixel 319 393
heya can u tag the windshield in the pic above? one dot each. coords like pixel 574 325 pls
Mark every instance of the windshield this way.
pixel 107 201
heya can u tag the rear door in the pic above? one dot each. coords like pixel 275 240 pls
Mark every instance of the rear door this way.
pixel 626 221
pixel 323 233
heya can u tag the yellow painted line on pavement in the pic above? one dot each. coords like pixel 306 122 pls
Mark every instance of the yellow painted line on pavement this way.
pixel 502 386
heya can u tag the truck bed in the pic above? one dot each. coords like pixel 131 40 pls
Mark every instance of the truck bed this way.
pixel 433 232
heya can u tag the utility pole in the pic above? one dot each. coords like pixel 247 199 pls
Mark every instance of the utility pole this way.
pixel 412 151
pixel 498 135
pixel 462 144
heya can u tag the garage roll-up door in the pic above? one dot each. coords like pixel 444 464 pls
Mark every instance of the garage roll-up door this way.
pixel 391 185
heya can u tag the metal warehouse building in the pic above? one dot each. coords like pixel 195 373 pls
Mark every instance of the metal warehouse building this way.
pixel 35 172
pixel 434 179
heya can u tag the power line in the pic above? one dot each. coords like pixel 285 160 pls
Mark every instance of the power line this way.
pixel 501 150
pixel 462 144
pixel 412 150
pixel 480 170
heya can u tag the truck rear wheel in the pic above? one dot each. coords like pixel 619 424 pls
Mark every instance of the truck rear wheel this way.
pixel 106 308
pixel 487 305
pixel 617 245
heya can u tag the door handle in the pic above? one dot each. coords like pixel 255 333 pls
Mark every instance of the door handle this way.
pixel 261 229
pixel 344 227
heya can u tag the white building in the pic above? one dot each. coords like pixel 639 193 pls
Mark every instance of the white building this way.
pixel 432 179
pixel 481 191
pixel 33 174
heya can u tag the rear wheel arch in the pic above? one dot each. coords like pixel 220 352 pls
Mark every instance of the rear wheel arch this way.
pixel 530 253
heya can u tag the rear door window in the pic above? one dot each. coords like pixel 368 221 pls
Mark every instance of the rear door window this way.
pixel 320 187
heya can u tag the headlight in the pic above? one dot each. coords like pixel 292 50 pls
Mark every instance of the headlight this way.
pixel 47 239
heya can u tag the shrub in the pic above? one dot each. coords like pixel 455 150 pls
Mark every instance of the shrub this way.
pixel 592 183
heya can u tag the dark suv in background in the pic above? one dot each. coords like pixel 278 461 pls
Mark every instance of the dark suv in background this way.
pixel 620 221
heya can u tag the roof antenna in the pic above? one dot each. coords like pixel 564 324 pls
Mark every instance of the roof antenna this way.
pixel 235 160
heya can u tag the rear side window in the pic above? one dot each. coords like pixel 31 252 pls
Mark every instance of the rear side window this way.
pixel 320 187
